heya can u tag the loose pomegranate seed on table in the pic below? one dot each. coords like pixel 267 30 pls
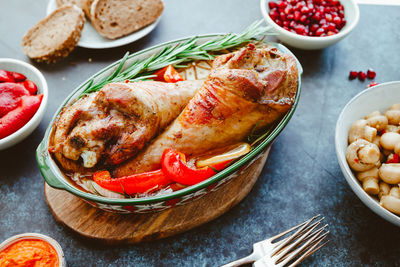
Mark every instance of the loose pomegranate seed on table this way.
pixel 353 75
pixel 371 74
pixel 308 17
pixel 372 84
pixel 362 75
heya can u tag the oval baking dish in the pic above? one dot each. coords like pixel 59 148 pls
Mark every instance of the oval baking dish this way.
pixel 56 179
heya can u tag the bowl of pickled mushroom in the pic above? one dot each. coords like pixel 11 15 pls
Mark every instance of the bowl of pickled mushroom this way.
pixel 182 133
pixel 367 141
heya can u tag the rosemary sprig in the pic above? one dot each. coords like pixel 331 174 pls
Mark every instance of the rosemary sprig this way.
pixel 176 54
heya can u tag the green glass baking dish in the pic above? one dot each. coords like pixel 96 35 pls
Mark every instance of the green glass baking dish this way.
pixel 56 179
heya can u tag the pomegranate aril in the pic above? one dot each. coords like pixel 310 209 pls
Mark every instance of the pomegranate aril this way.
pixel 286 23
pixel 337 20
pixel 303 18
pixel 296 15
pixel 272 5
pixel 361 75
pixel 290 17
pixel 372 84
pixel 300 29
pixel 282 4
pixel 331 27
pixel 304 10
pixel 282 16
pixel 314 27
pixel 371 74
pixel 353 75
pixel 319 32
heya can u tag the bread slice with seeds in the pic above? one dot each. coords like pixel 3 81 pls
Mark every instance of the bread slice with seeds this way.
pixel 55 36
pixel 117 18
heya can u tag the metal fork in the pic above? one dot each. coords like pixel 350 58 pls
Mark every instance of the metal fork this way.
pixel 293 248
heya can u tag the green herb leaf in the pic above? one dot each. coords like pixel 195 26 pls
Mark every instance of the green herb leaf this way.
pixel 177 54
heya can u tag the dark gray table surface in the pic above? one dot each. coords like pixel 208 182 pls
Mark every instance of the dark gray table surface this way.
pixel 301 177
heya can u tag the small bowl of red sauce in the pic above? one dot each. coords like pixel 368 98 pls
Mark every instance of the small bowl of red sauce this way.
pixel 31 249
pixel 23 100
pixel 311 24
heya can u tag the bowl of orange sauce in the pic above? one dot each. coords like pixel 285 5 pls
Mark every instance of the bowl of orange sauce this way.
pixel 31 249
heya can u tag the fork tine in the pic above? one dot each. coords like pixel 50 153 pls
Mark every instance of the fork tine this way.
pixel 316 238
pixel 301 234
pixel 293 228
pixel 310 251
pixel 303 239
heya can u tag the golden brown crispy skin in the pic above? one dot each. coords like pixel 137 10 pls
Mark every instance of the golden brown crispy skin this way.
pixel 246 88
pixel 116 122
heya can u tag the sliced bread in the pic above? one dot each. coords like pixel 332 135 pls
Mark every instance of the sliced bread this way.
pixel 116 18
pixel 86 5
pixel 55 36
pixel 78 3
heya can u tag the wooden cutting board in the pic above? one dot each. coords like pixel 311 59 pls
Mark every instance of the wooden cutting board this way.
pixel 115 228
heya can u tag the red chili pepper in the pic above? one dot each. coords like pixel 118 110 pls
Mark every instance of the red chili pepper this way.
pixel 15 119
pixel 10 97
pixel 30 86
pixel 395 159
pixel 131 184
pixel 174 166
pixel 168 74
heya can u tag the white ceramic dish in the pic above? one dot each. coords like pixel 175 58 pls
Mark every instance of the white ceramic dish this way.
pixel 351 13
pixel 379 97
pixel 91 39
pixel 36 76
pixel 51 241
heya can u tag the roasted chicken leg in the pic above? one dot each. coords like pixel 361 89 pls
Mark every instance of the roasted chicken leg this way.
pixel 115 123
pixel 247 88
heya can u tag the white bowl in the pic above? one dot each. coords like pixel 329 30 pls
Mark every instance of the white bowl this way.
pixel 351 14
pixel 379 97
pixel 51 241
pixel 35 76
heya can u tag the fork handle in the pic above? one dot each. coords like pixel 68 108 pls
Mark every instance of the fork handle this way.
pixel 248 259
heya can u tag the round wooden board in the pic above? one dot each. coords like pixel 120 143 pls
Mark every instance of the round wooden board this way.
pixel 115 228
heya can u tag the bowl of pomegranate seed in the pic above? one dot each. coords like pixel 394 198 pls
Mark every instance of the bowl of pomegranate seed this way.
pixel 23 100
pixel 311 24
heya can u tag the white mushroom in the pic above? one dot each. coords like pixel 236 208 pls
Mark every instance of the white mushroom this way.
pixel 384 189
pixel 370 181
pixel 393 114
pixel 394 191
pixel 361 130
pixel 377 120
pixel 377 141
pixel 389 140
pixel 392 128
pixel 397 148
pixel 362 155
pixel 391 203
pixel 390 173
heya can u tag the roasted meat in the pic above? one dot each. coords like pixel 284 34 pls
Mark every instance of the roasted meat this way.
pixel 115 123
pixel 252 87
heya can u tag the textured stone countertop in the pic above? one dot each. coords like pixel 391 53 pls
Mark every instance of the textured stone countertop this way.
pixel 301 177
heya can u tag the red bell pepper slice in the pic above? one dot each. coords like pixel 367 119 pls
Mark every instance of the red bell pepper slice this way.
pixel 6 77
pixel 168 74
pixel 137 183
pixel 30 86
pixel 395 159
pixel 174 166
pixel 10 97
pixel 15 119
